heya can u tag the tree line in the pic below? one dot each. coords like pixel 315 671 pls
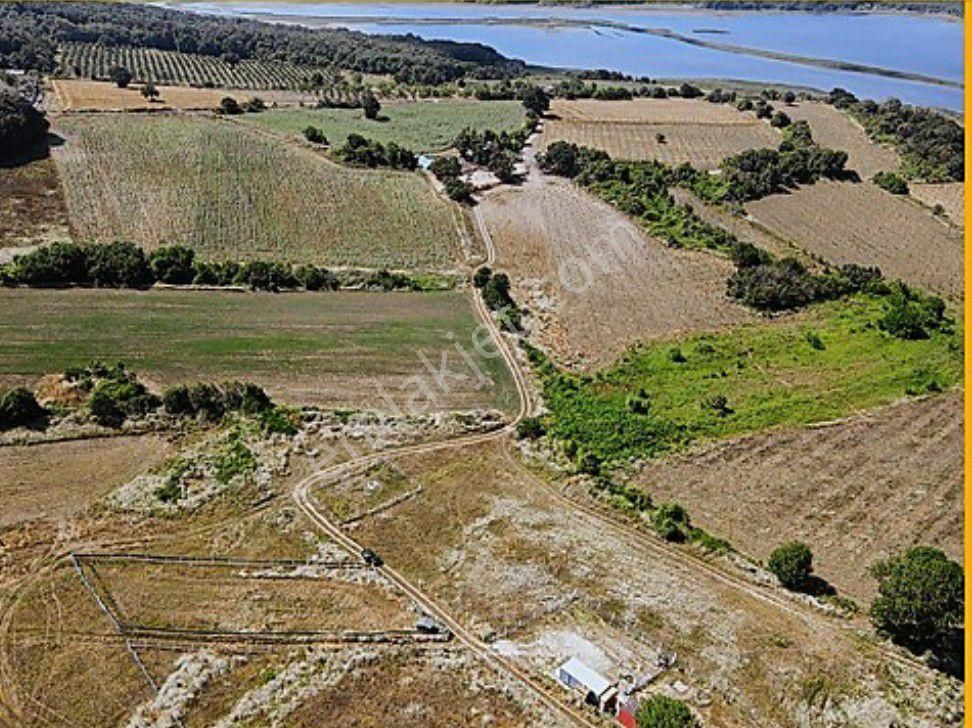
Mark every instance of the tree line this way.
pixel 125 265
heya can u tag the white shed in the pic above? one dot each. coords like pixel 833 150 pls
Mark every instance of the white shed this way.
pixel 597 689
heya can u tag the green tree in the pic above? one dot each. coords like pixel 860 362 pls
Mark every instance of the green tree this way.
pixel 22 126
pixel 19 408
pixel 120 76
pixel 792 563
pixel 229 106
pixel 535 100
pixel 920 596
pixel 370 104
pixel 173 264
pixel 314 135
pixel 660 711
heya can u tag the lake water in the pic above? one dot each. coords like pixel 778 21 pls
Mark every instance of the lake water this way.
pixel 588 37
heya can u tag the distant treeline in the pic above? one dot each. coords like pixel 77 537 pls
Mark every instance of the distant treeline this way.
pixel 30 33
pixel 815 6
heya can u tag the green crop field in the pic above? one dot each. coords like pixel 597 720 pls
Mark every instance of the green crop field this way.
pixel 824 363
pixel 230 192
pixel 330 349
pixel 422 126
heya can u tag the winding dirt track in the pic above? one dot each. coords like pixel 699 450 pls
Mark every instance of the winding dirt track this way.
pixel 681 561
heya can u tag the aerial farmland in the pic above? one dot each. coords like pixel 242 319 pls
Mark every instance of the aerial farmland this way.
pixel 350 378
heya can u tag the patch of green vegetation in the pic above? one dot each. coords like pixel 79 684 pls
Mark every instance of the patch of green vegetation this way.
pixel 234 458
pixel 425 126
pixel 748 379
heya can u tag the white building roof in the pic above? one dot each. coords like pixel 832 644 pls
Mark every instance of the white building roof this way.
pixel 593 681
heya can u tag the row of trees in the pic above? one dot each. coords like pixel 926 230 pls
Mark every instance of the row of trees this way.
pixel 124 265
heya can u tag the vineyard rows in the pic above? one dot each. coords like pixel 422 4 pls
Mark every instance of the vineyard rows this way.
pixel 91 60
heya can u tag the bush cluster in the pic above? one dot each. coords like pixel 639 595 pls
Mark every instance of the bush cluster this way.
pixel 786 284
pixel 211 401
pixel 891 182
pixel 114 265
pixel 22 126
pixel 447 171
pixel 358 150
pixel 495 289
pixel 931 144
pixel 909 314
pixel 115 393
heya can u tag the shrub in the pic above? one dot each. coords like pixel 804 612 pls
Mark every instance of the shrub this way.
pixel 445 167
pixel 891 182
pixel 173 264
pixel 370 105
pixel 121 396
pixel 313 278
pixel 254 105
pixel 176 400
pixel 780 120
pixel 910 315
pixel 671 521
pixel 314 135
pixel 19 408
pixel 660 711
pixel 22 126
pixel 481 276
pixel 778 286
pixel 792 564
pixel 535 100
pixel 52 265
pixel 530 428
pixel 920 596
pixel 229 106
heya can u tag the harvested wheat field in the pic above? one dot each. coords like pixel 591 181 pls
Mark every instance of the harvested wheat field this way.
pixel 32 209
pixel 504 552
pixel 950 195
pixel 594 279
pixel 846 222
pixel 701 134
pixel 84 95
pixel 230 192
pixel 833 128
pixel 855 491
pixel 58 479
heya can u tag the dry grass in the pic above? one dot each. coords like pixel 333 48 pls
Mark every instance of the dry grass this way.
pixel 859 223
pixel 230 192
pixel 833 128
pixel 950 195
pixel 32 208
pixel 854 492
pixel 617 285
pixel 83 95
pixel 509 558
pixel 57 480
pixel 177 596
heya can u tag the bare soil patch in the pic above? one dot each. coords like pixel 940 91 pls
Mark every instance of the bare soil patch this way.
pixel 950 195
pixel 32 207
pixel 701 134
pixel 59 479
pixel 847 222
pixel 855 492
pixel 835 129
pixel 596 281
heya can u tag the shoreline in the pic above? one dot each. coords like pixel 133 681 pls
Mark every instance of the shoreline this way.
pixel 554 23
pixel 703 7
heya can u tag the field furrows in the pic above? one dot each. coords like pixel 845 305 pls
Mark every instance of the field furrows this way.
pixel 846 222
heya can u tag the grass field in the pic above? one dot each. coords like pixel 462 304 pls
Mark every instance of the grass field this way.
pixel 329 349
pixel 232 193
pixel 422 126
pixel 771 375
